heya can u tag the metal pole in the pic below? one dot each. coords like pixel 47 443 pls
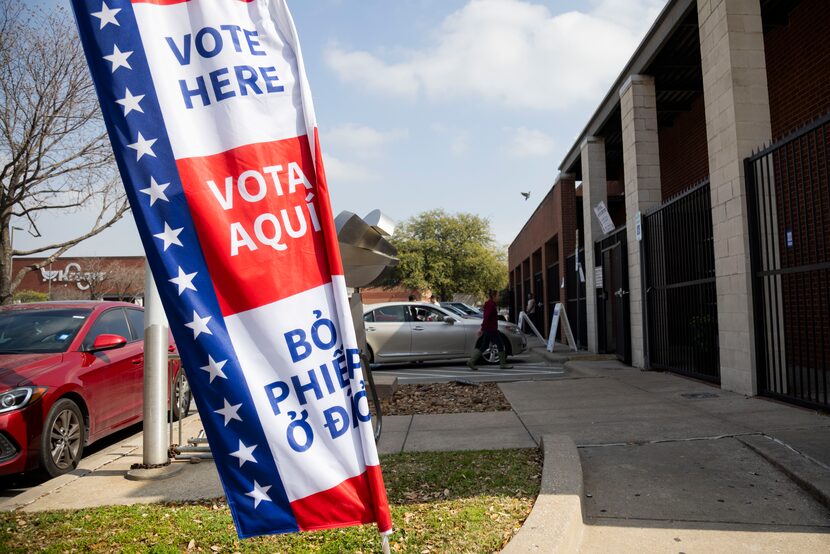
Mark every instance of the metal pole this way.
pixel 11 257
pixel 155 375
pixel 11 250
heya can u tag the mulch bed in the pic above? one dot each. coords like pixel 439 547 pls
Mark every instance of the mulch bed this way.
pixel 446 398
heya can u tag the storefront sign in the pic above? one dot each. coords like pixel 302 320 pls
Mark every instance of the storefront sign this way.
pixel 72 274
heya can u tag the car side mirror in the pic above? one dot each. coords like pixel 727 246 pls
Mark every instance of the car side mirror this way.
pixel 449 320
pixel 106 341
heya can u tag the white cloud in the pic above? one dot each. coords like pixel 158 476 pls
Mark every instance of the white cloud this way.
pixel 457 139
pixel 360 140
pixel 510 52
pixel 529 143
pixel 341 171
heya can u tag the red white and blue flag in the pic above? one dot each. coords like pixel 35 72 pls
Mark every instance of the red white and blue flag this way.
pixel 210 116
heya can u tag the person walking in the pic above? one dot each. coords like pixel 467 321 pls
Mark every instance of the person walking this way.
pixel 530 309
pixel 490 331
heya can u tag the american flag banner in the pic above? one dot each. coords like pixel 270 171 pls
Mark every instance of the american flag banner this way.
pixel 209 113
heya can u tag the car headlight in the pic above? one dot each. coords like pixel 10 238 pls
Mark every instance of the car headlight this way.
pixel 19 398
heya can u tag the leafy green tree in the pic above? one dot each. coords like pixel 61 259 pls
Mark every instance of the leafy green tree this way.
pixel 449 254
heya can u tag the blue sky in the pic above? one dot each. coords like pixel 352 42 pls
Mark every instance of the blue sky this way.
pixel 453 104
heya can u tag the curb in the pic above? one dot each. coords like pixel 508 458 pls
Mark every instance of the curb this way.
pixel 561 357
pixel 555 523
pixel 805 473
pixel 385 386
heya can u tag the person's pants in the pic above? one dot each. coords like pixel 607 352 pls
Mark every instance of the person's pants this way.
pixel 488 337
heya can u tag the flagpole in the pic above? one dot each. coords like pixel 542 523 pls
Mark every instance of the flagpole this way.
pixel 155 375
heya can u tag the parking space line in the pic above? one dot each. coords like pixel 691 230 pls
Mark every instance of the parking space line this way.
pixel 405 373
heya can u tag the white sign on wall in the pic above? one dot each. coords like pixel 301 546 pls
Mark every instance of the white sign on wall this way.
pixel 604 217
pixel 72 274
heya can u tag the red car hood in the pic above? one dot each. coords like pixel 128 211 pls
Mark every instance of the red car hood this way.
pixel 24 369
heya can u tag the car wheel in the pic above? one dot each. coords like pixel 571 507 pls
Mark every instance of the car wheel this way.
pixel 491 355
pixel 62 441
pixel 183 395
pixel 370 354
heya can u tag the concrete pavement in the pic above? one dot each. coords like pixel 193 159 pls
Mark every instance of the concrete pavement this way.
pixel 675 465
pixel 668 463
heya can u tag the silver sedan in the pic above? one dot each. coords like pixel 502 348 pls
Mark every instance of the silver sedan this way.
pixel 416 331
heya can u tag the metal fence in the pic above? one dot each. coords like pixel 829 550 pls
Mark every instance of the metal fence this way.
pixel 576 305
pixel 789 230
pixel 612 293
pixel 553 286
pixel 681 302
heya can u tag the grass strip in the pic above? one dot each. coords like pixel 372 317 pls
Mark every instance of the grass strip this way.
pixel 449 502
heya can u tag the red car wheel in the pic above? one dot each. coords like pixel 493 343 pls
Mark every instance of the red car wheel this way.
pixel 62 441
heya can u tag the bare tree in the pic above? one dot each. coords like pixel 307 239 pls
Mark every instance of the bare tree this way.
pixel 95 276
pixel 125 280
pixel 54 152
pixel 108 277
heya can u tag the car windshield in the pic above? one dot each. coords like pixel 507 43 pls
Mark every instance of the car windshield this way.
pixel 454 310
pixel 33 331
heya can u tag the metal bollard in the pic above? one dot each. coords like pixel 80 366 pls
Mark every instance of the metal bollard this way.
pixel 155 375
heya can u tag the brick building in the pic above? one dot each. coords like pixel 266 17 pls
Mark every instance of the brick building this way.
pixel 90 278
pixel 710 153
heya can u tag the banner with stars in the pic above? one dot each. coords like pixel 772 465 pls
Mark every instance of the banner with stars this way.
pixel 210 117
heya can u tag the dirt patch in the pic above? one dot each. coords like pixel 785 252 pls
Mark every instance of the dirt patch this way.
pixel 446 398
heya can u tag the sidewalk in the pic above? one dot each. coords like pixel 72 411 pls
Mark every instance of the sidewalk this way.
pixel 669 464
pixel 675 465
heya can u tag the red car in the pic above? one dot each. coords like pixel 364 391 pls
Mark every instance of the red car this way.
pixel 70 374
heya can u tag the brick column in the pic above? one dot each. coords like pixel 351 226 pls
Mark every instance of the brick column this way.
pixel 737 120
pixel 594 191
pixel 641 165
pixel 567 237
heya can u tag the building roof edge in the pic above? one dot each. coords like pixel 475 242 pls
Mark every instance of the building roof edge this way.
pixel 657 34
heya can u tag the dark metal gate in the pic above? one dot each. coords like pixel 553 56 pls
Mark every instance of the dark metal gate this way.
pixel 681 302
pixel 789 230
pixel 539 295
pixel 575 293
pixel 553 286
pixel 613 319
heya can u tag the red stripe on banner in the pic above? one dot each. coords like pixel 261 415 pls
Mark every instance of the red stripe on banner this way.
pixel 262 242
pixel 352 502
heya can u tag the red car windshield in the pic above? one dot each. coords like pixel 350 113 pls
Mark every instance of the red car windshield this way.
pixel 34 331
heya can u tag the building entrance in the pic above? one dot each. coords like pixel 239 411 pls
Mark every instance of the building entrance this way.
pixel 611 281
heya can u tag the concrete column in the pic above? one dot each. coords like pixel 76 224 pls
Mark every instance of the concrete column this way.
pixel 594 191
pixel 641 165
pixel 737 120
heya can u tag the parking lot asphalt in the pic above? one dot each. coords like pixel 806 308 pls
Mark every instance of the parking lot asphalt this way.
pixel 528 366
